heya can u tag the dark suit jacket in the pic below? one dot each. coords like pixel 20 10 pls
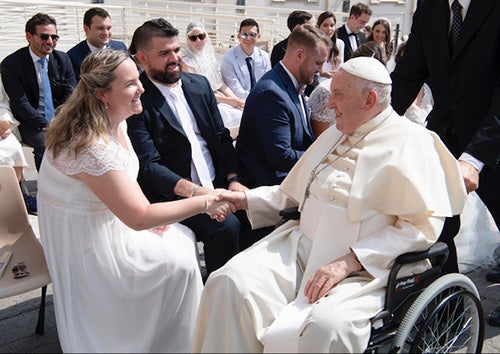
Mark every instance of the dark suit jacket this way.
pixel 342 34
pixel 21 85
pixel 273 134
pixel 81 50
pixel 465 84
pixel 278 52
pixel 162 146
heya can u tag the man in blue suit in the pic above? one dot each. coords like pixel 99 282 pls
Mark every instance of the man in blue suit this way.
pixel 31 101
pixel 98 30
pixel 183 147
pixel 275 126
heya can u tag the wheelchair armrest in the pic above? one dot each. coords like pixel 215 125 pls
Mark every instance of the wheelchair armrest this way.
pixel 437 249
pixel 290 213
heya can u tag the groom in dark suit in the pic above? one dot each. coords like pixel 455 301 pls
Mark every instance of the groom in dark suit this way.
pixel 352 31
pixel 275 126
pixel 31 102
pixel 458 55
pixel 98 30
pixel 183 147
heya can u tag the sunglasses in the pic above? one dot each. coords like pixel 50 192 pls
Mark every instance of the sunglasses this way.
pixel 251 34
pixel 45 37
pixel 19 270
pixel 200 36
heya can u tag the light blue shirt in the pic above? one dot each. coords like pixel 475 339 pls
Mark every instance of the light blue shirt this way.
pixel 234 69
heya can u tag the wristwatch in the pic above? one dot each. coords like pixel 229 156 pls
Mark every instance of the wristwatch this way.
pixel 233 179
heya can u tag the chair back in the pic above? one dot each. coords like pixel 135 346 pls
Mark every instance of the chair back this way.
pixel 13 214
pixel 17 236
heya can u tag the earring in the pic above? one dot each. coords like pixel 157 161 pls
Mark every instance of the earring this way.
pixel 105 105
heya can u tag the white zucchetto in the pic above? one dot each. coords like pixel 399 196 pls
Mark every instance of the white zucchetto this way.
pixel 367 68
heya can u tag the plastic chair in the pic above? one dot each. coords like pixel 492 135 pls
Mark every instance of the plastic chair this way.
pixel 17 236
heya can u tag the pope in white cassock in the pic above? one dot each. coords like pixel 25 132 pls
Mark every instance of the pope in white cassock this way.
pixel 371 188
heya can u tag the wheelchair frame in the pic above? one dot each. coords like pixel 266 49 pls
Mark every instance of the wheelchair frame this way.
pixel 427 312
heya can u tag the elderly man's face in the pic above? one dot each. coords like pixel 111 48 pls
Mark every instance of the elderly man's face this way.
pixel 348 102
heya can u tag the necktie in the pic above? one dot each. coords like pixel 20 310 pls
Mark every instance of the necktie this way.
pixel 456 23
pixel 249 61
pixel 198 163
pixel 47 92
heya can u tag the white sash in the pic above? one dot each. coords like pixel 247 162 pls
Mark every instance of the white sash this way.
pixel 332 236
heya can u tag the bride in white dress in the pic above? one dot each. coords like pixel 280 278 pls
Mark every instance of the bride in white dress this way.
pixel 116 288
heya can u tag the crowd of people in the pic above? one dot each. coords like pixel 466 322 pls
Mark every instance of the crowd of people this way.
pixel 144 150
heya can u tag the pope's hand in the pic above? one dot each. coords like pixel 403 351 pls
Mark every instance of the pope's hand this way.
pixel 238 199
pixel 329 275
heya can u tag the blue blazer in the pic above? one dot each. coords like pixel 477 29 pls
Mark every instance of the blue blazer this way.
pixel 81 50
pixel 21 85
pixel 273 134
pixel 342 34
pixel 162 146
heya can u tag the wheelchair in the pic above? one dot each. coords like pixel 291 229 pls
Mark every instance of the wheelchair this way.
pixel 425 312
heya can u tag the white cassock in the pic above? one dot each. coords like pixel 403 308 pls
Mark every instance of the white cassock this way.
pixel 380 192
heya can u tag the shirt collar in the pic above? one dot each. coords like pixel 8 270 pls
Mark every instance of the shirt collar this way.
pixel 373 123
pixel 294 80
pixel 167 90
pixel 35 57
pixel 93 48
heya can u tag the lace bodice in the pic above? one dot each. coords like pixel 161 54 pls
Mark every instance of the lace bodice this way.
pixel 318 101
pixel 95 160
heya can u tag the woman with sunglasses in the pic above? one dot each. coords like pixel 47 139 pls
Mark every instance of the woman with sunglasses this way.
pixel 199 58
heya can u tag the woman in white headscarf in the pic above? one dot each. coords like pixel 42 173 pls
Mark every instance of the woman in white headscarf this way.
pixel 199 58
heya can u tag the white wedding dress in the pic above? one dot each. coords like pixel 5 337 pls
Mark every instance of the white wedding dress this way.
pixel 115 289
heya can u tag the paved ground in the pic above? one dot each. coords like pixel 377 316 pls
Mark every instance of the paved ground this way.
pixel 18 314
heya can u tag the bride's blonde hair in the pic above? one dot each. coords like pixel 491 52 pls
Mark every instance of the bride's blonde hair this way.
pixel 82 119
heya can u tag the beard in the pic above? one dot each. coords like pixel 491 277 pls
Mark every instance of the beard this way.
pixel 165 77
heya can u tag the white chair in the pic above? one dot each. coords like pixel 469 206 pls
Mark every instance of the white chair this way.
pixel 16 235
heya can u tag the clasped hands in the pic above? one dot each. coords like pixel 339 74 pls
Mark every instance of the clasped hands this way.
pixel 224 202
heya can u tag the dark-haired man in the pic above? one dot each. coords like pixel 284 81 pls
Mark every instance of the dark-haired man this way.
pixel 98 30
pixel 37 79
pixel 183 147
pixel 244 65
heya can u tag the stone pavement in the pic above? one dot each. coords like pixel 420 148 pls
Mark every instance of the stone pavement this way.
pixel 18 314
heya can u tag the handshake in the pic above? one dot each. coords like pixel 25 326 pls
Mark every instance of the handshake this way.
pixel 222 202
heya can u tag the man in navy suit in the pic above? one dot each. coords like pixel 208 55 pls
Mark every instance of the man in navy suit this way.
pixel 275 127
pixel 352 31
pixel 463 73
pixel 23 78
pixel 183 147
pixel 98 30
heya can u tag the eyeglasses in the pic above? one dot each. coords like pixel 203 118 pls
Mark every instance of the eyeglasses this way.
pixel 251 34
pixel 45 37
pixel 19 270
pixel 200 36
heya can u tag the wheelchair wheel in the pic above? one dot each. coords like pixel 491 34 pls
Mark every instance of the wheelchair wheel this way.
pixel 446 317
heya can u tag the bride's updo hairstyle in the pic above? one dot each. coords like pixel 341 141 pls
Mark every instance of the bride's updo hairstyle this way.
pixel 82 119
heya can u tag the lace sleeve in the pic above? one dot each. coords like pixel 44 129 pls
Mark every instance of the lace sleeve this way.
pixel 95 160
pixel 318 104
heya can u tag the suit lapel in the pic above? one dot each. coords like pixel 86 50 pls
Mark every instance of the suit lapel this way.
pixel 30 71
pixel 292 92
pixel 477 12
pixel 161 104
pixel 192 93
pixel 440 28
